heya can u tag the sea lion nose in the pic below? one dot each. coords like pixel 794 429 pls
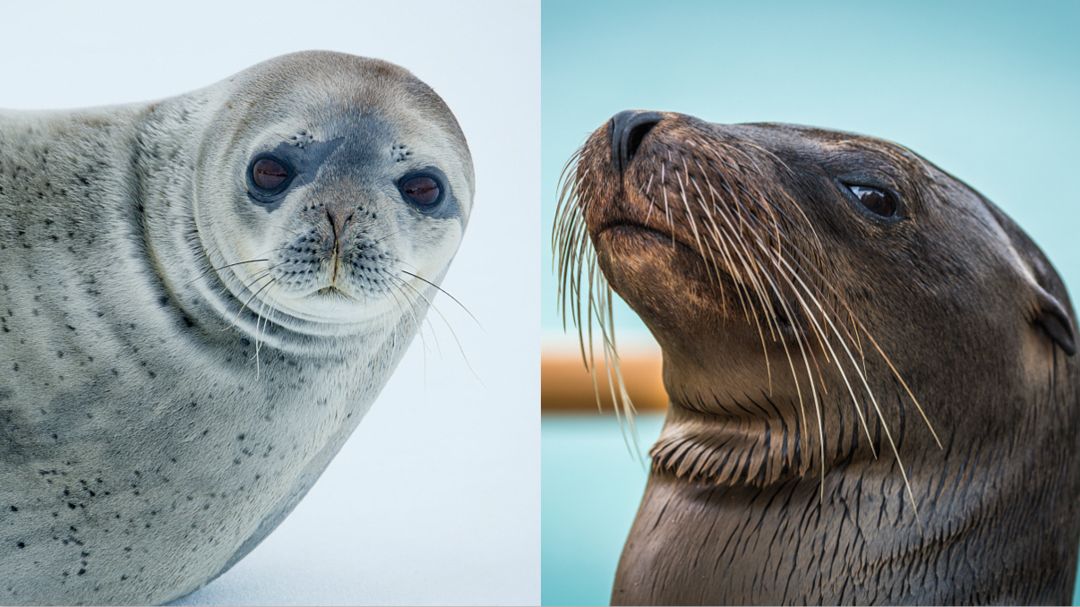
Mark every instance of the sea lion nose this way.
pixel 628 128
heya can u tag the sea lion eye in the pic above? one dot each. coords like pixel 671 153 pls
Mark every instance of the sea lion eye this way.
pixel 878 201
pixel 422 189
pixel 269 175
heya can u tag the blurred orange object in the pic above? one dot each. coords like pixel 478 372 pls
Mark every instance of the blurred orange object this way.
pixel 566 386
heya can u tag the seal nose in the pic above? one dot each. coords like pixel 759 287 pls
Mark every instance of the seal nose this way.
pixel 338 218
pixel 628 128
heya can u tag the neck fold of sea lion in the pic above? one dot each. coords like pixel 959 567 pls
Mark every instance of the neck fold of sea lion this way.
pixel 759 440
pixel 758 443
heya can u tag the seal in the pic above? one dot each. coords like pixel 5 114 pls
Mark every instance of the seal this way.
pixel 873 397
pixel 199 300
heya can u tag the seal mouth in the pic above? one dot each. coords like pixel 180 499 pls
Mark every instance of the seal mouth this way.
pixel 332 293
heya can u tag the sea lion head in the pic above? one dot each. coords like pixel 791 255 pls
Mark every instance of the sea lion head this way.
pixel 346 178
pixel 814 292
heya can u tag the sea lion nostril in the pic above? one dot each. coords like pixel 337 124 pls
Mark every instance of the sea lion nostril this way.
pixel 628 129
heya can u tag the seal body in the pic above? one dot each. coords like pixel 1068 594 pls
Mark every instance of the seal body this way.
pixel 183 350
pixel 873 393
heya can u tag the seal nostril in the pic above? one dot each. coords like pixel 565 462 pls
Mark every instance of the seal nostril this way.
pixel 628 130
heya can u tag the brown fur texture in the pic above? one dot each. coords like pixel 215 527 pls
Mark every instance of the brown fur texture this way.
pixel 864 409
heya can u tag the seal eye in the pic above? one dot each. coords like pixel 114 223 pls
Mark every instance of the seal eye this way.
pixel 421 190
pixel 269 175
pixel 878 201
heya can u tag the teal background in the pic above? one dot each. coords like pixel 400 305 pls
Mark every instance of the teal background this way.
pixel 990 91
pixel 591 489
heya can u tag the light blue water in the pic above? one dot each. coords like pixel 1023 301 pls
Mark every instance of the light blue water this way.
pixel 591 489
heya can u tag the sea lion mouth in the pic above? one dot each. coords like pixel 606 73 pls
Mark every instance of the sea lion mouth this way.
pixel 619 239
pixel 641 233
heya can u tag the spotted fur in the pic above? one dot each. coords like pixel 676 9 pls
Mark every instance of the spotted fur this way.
pixel 180 363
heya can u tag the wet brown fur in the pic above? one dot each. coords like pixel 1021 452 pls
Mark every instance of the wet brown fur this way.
pixel 862 410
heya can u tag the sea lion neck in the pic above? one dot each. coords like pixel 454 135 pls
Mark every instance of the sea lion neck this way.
pixel 761 438
pixel 851 537
pixel 754 441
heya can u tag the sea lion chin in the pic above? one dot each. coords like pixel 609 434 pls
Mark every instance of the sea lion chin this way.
pixel 869 365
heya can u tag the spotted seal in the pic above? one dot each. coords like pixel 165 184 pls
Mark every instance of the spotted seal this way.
pixel 199 300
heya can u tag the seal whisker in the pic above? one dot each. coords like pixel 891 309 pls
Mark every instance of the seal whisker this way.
pixel 219 268
pixel 258 327
pixel 819 334
pixel 444 292
pixel 787 277
pixel 453 333
pixel 410 307
pixel 796 324
pixel 733 232
pixel 245 306
pixel 385 236
pixel 903 383
pixel 254 295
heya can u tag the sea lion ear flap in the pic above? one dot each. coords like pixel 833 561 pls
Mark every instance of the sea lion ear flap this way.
pixel 1051 313
pixel 1054 320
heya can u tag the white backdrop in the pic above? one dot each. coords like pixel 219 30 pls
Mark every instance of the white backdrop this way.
pixel 435 498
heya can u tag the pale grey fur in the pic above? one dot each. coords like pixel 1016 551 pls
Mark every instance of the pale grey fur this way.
pixel 153 427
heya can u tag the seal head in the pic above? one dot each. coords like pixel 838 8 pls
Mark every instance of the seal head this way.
pixel 200 298
pixel 351 199
pixel 835 313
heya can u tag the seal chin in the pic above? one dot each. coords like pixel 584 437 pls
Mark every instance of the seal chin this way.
pixel 334 304
pixel 332 291
pixel 334 294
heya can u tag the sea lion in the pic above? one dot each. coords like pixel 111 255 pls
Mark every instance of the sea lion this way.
pixel 873 397
pixel 199 299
